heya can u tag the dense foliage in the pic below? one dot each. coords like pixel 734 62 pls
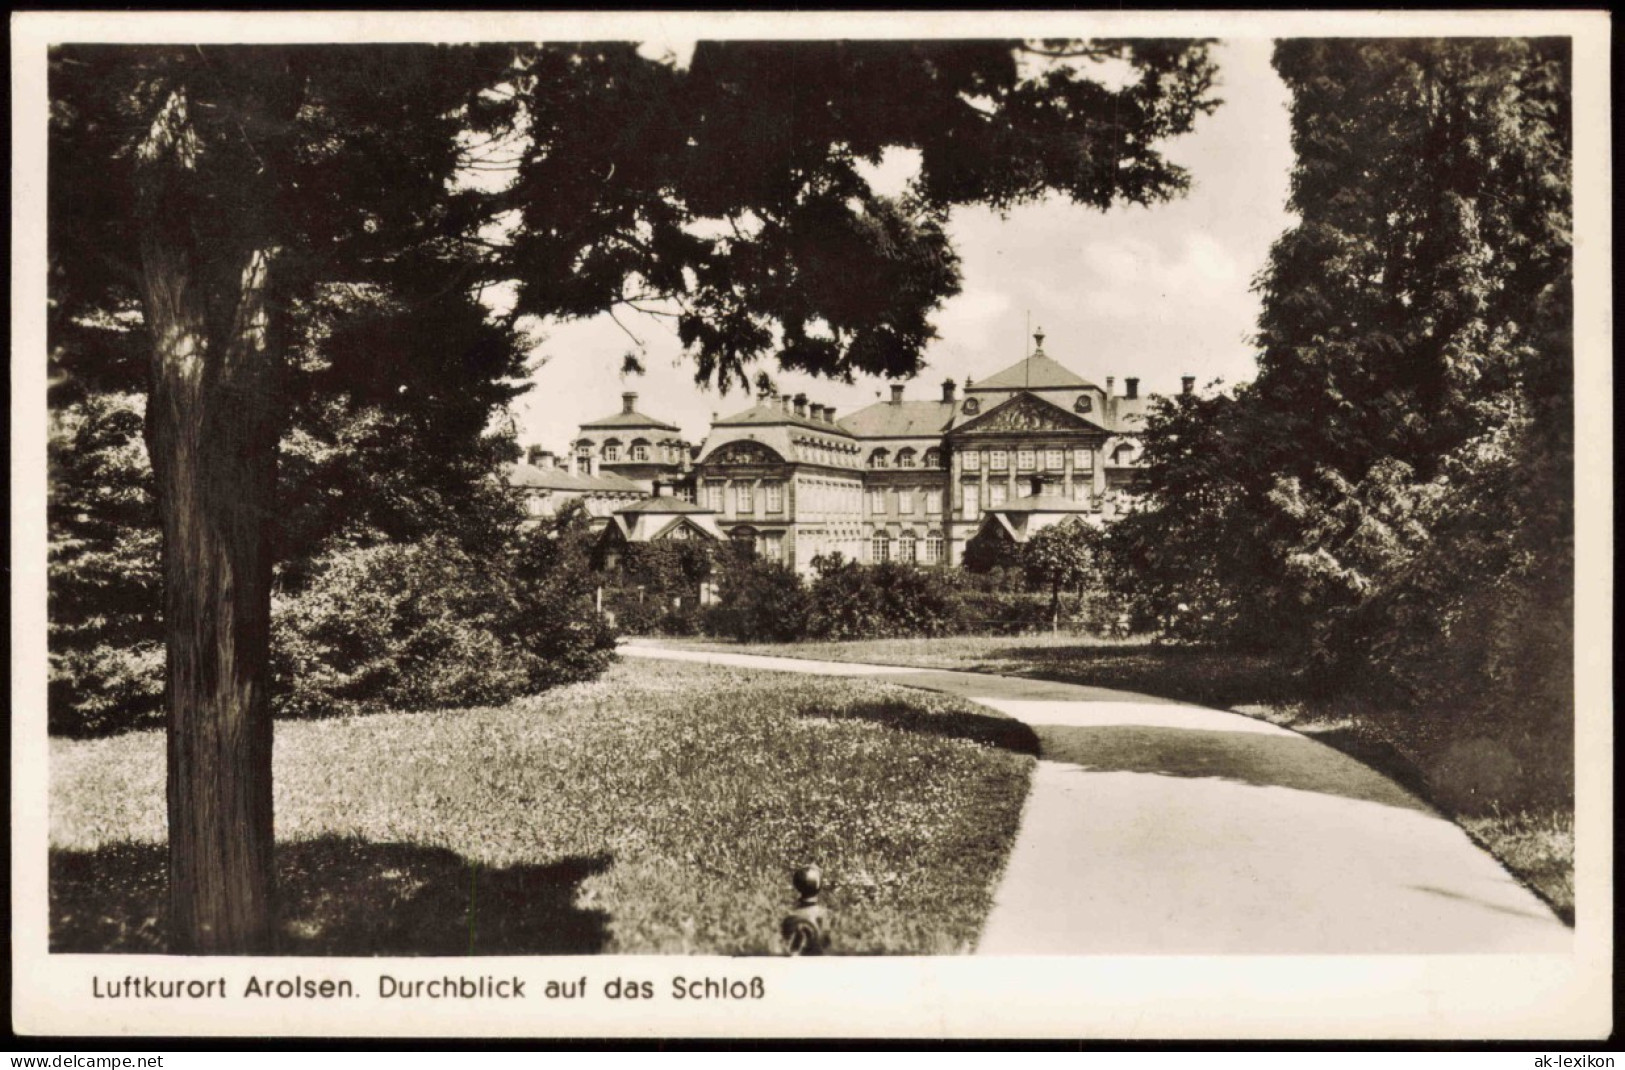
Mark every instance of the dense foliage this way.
pixel 428 625
pixel 1390 502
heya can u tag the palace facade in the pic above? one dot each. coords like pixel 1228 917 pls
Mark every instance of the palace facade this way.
pixel 903 479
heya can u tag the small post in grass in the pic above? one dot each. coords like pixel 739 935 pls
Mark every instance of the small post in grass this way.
pixel 806 928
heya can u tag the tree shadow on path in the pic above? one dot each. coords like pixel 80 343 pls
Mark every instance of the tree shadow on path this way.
pixel 340 896
pixel 989 729
pixel 1256 758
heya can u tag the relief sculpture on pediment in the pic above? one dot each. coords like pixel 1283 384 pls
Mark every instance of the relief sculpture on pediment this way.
pixel 1027 414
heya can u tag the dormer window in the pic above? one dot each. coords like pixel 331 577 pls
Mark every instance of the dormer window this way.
pixel 905 458
pixel 612 451
pixel 880 459
pixel 971 407
pixel 1085 403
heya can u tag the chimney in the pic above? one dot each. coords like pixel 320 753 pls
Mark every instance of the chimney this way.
pixel 815 411
pixel 801 404
pixel 534 455
pixel 829 414
pixel 1110 385
pixel 1131 388
pixel 629 402
pixel 1187 384
pixel 948 390
pixel 784 402
pixel 897 393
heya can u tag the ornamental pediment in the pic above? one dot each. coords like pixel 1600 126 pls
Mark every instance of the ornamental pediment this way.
pixel 1024 412
pixel 743 452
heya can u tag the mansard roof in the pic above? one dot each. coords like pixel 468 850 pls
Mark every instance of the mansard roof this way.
pixel 627 420
pixel 526 475
pixel 663 504
pixel 768 412
pixel 906 419
pixel 1037 372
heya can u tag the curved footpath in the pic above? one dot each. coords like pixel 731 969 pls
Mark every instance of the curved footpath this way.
pixel 1154 827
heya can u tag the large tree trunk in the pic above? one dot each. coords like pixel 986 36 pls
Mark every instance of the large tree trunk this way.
pixel 212 429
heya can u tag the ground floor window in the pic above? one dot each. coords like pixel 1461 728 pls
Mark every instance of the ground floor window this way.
pixel 933 549
pixel 906 549
pixel 879 549
pixel 772 546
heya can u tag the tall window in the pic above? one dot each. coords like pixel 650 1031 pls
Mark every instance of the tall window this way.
pixel 879 548
pixel 1055 460
pixel 1026 460
pixel 998 460
pixel 612 451
pixel 933 502
pixel 972 460
pixel 773 546
pixel 905 501
pixel 713 497
pixel 996 494
pixel 905 458
pixel 743 504
pixel 877 501
pixel 906 547
pixel 973 500
pixel 933 549
pixel 775 497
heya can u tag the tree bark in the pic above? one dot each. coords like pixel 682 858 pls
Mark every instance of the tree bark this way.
pixel 212 432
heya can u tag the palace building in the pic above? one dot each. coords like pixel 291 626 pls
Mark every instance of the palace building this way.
pixel 901 480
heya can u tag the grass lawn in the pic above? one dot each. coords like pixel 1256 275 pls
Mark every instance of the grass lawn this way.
pixel 659 809
pixel 1536 844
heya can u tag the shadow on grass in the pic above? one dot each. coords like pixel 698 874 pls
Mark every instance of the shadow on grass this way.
pixel 342 897
pixel 1256 758
pixel 1187 674
pixel 987 729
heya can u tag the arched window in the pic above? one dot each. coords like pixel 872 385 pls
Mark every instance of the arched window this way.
pixel 879 548
pixel 971 407
pixel 1083 404
pixel 744 539
pixel 933 458
pixel 879 459
pixel 905 458
pixel 1123 454
pixel 612 450
pixel 906 547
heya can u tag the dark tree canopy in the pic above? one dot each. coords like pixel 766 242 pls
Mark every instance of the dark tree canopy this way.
pixel 1390 501
pixel 737 186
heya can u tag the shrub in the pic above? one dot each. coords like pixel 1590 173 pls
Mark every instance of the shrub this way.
pixel 758 600
pixel 853 601
pixel 426 625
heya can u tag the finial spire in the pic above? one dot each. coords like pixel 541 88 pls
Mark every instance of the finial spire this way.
pixel 1038 336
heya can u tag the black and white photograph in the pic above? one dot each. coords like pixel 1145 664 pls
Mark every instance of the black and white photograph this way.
pixel 1085 524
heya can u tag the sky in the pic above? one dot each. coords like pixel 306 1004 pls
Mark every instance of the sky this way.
pixel 1155 292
